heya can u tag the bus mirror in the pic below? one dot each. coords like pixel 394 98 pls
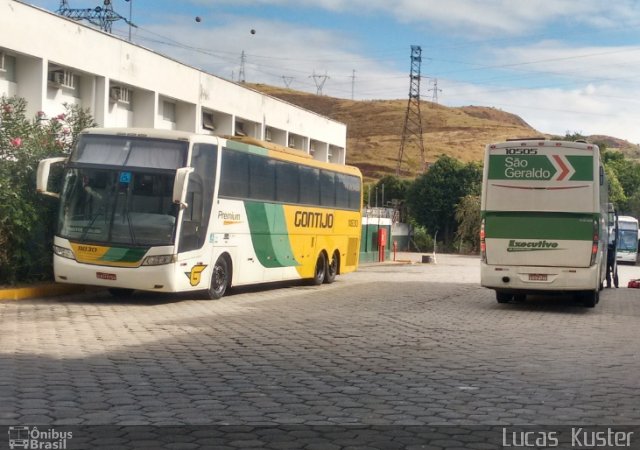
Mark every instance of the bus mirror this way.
pixel 42 175
pixel 180 186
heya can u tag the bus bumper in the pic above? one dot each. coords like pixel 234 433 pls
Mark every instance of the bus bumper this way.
pixel 535 278
pixel 147 278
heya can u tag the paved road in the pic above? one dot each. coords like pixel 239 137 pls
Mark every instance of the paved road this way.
pixel 389 345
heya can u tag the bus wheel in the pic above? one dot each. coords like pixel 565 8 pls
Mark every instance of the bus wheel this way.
pixel 332 269
pixel 219 279
pixel 120 292
pixel 503 297
pixel 591 298
pixel 320 271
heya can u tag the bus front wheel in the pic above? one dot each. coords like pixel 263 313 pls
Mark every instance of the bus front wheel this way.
pixel 320 271
pixel 220 278
pixel 503 297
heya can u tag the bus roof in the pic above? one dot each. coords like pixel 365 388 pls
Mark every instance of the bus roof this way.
pixel 537 142
pixel 278 151
pixel 140 132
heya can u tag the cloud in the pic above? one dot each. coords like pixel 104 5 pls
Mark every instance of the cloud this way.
pixel 276 50
pixel 488 17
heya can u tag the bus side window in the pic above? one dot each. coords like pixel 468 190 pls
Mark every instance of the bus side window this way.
pixel 195 219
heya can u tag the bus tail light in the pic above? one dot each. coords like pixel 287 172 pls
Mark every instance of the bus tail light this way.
pixel 594 243
pixel 483 245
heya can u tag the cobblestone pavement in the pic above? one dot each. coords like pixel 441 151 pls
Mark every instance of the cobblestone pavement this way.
pixel 390 345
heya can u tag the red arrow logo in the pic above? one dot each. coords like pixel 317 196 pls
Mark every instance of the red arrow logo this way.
pixel 563 167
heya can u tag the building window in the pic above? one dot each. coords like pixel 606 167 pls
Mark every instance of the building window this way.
pixel 207 121
pixel 169 111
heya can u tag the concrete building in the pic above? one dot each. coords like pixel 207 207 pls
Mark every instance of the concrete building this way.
pixel 50 60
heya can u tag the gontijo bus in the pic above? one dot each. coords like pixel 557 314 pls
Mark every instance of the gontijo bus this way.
pixel 544 219
pixel 627 249
pixel 172 211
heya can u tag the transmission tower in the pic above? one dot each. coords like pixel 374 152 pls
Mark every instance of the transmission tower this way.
pixel 287 81
pixel 435 91
pixel 412 130
pixel 100 16
pixel 320 80
pixel 243 59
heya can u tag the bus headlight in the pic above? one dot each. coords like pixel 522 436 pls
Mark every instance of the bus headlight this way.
pixel 64 252
pixel 158 260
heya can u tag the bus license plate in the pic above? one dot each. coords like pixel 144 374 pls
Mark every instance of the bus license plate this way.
pixel 537 277
pixel 106 276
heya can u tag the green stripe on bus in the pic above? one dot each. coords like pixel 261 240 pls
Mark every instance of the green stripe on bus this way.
pixel 539 225
pixel 583 166
pixel 537 167
pixel 269 234
pixel 120 254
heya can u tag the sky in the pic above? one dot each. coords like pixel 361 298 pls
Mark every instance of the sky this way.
pixel 564 66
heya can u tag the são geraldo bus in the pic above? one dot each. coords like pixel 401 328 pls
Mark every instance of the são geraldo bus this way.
pixel 627 249
pixel 170 211
pixel 544 219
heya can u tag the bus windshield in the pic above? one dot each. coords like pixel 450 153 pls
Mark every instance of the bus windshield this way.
pixel 118 190
pixel 132 207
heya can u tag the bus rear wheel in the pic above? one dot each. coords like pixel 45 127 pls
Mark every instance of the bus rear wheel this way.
pixel 220 278
pixel 503 297
pixel 591 298
pixel 320 271
pixel 332 268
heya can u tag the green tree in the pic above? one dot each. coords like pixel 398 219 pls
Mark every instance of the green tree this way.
pixel 632 206
pixel 433 196
pixel 628 174
pixel 395 188
pixel 468 218
pixel 616 193
pixel 26 218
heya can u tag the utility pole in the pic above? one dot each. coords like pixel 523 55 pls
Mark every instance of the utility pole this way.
pixel 412 130
pixel 319 80
pixel 353 82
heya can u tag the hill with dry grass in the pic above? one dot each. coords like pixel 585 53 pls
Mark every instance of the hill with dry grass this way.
pixel 374 130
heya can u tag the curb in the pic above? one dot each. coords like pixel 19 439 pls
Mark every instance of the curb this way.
pixel 41 290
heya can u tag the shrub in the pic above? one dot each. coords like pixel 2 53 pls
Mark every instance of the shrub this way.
pixel 27 220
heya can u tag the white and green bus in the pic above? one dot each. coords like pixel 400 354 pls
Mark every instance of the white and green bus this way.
pixel 169 211
pixel 544 219
pixel 627 248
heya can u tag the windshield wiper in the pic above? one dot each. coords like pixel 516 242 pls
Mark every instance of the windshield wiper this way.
pixel 86 229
